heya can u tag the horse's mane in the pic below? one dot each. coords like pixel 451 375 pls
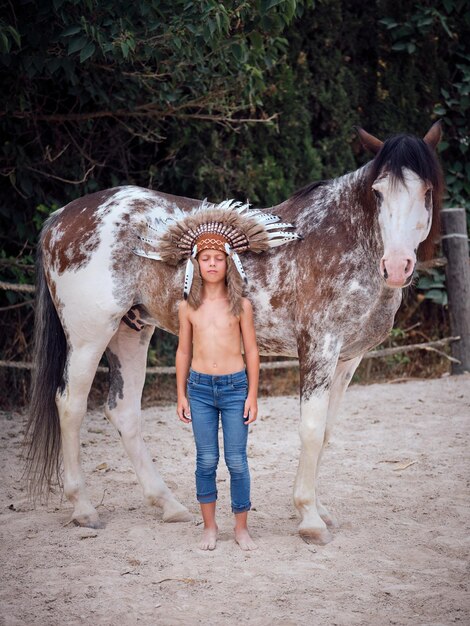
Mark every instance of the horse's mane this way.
pixel 408 151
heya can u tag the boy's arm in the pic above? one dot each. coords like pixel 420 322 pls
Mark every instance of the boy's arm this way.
pixel 247 327
pixel 183 361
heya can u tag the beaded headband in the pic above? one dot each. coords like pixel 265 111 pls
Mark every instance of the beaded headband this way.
pixel 211 241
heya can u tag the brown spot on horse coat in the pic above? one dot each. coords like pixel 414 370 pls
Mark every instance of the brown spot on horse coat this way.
pixel 73 234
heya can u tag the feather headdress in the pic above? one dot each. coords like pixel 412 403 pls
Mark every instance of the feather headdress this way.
pixel 229 226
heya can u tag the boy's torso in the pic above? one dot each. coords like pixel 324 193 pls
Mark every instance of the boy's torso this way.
pixel 217 340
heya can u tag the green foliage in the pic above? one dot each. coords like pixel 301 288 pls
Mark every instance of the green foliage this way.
pixel 397 337
pixel 335 41
pixel 433 285
pixel 438 33
pixel 263 163
pixel 444 29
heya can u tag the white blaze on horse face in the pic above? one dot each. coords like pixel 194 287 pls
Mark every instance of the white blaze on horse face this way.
pixel 405 220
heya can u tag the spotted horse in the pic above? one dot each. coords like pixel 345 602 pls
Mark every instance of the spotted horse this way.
pixel 326 299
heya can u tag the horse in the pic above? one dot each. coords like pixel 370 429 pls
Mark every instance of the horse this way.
pixel 325 299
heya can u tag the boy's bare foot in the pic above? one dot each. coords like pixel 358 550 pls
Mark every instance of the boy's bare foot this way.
pixel 209 538
pixel 242 537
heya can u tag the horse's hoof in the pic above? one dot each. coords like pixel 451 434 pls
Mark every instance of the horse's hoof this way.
pixel 318 536
pixel 87 521
pixel 176 512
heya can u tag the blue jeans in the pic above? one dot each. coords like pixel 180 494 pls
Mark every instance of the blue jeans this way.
pixel 208 396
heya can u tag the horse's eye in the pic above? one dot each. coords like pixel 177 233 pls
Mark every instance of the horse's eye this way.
pixel 377 194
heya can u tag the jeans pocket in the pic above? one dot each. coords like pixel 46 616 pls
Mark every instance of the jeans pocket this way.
pixel 240 387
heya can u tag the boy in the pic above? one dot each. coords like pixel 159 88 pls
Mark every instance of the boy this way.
pixel 211 336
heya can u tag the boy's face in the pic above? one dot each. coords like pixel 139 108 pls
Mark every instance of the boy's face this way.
pixel 213 265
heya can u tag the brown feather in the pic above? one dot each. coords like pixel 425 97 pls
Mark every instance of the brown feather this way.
pixel 195 293
pixel 234 287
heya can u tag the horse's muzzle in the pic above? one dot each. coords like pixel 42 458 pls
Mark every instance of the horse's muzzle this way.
pixel 397 271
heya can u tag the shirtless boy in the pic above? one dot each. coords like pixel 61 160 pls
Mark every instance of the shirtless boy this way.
pixel 209 350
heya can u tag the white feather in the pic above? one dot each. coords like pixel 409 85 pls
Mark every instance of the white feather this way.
pixel 148 255
pixel 226 205
pixel 243 208
pixel 266 218
pixel 232 205
pixel 150 242
pixel 188 278
pixel 236 259
pixel 278 225
pixel 277 239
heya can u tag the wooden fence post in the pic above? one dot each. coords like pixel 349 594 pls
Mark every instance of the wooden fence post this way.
pixel 455 247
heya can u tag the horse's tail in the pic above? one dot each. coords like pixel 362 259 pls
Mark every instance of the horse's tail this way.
pixel 43 427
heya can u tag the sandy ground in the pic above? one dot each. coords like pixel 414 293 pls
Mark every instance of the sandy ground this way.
pixel 399 557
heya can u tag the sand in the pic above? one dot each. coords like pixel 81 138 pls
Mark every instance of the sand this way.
pixel 395 474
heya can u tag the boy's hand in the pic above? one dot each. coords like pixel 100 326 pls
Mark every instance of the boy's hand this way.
pixel 183 410
pixel 250 412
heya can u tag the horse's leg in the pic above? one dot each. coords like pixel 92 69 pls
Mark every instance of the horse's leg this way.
pixel 80 370
pixel 313 411
pixel 341 379
pixel 127 357
pixel 316 376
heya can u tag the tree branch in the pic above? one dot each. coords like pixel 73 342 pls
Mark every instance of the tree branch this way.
pixel 63 180
pixel 149 113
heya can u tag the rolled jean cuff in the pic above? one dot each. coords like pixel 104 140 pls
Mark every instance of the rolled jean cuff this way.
pixel 206 499
pixel 241 509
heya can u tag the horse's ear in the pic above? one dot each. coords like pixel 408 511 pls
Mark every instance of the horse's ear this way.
pixel 434 135
pixel 369 141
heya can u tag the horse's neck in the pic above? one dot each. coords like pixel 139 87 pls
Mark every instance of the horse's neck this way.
pixel 344 200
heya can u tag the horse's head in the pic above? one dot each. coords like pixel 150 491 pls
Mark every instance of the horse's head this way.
pixel 405 183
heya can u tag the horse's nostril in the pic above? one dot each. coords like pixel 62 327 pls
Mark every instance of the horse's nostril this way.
pixel 385 273
pixel 409 267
